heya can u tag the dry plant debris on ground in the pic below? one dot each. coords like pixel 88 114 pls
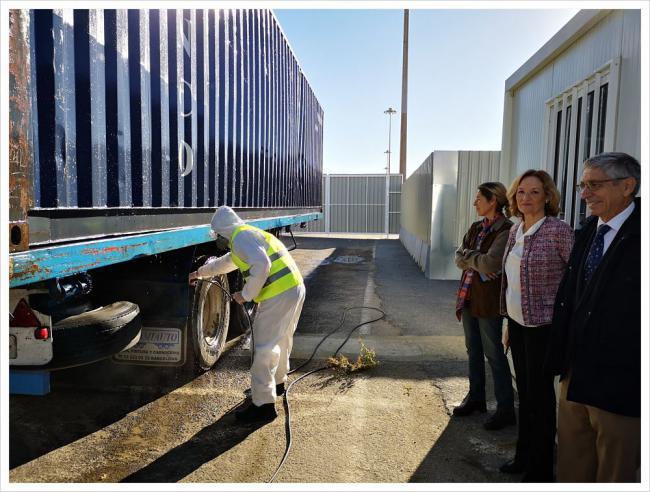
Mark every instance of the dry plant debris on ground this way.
pixel 366 359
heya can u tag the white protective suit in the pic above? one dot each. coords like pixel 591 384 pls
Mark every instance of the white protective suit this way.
pixel 276 318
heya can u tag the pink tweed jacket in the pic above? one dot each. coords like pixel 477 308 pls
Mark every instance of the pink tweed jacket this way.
pixel 545 257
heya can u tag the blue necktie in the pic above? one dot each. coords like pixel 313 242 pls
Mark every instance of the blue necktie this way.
pixel 596 251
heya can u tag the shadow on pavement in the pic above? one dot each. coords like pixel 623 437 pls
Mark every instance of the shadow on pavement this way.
pixel 465 453
pixel 84 400
pixel 204 446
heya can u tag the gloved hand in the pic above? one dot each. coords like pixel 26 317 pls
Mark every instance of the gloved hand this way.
pixel 193 278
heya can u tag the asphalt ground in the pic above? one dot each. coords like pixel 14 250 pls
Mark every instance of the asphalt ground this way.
pixel 389 424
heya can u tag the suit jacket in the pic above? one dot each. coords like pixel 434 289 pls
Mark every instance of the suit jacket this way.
pixel 543 263
pixel 597 326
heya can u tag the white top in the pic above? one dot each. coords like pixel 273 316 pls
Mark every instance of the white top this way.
pixel 513 269
pixel 615 223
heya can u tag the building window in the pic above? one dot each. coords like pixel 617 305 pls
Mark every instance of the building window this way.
pixel 576 130
pixel 602 114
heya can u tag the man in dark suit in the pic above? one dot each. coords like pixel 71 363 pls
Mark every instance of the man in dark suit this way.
pixel 596 346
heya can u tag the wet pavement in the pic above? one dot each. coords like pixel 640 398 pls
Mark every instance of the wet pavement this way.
pixel 117 423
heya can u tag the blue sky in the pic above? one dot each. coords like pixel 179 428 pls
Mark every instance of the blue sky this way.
pixel 458 63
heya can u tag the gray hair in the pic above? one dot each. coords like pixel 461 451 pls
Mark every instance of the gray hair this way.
pixel 617 165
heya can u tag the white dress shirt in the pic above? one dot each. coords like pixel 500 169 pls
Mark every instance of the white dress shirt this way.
pixel 513 270
pixel 615 223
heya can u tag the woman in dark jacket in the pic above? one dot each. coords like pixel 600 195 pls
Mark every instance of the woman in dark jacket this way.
pixel 477 306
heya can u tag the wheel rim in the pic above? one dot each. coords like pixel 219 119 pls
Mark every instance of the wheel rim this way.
pixel 212 307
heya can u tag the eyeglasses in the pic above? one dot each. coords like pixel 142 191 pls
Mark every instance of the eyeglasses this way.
pixel 596 184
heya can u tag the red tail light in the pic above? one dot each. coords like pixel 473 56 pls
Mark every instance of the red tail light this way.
pixel 41 333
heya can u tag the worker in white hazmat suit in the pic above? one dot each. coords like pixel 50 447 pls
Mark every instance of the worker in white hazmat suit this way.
pixel 273 280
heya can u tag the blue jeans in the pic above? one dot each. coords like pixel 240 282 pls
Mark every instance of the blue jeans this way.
pixel 483 340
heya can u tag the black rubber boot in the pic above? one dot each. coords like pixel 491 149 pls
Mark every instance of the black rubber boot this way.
pixel 252 413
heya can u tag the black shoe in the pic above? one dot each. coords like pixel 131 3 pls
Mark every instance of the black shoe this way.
pixel 468 407
pixel 252 413
pixel 500 419
pixel 512 467
pixel 279 389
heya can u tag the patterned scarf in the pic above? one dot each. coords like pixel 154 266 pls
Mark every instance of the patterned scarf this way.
pixel 466 280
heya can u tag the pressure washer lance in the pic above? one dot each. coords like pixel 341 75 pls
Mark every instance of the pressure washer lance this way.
pixel 288 431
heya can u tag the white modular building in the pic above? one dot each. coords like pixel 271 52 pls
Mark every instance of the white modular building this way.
pixel 577 96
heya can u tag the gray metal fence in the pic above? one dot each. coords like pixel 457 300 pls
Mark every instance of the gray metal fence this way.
pixel 356 203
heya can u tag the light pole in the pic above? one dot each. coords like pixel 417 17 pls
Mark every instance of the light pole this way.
pixel 390 112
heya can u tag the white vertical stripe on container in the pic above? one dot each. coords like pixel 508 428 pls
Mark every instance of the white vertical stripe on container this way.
pixel 145 106
pixel 193 118
pixel 165 153
pixel 65 153
pixel 180 105
pixel 206 105
pixel 123 109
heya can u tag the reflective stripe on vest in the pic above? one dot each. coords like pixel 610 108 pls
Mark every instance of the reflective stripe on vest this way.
pixel 284 273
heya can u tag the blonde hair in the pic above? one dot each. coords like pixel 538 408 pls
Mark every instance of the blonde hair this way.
pixel 494 189
pixel 552 205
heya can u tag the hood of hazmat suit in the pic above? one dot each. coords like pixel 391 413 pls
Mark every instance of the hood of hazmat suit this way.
pixel 225 221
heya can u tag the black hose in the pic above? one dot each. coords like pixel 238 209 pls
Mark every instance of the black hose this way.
pixel 288 429
pixel 286 391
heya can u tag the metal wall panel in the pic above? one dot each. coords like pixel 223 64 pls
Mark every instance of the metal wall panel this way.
pixel 416 203
pixel 170 108
pixel 474 168
pixel 628 134
pixel 528 122
pixel 436 206
pixel 589 52
pixel 356 203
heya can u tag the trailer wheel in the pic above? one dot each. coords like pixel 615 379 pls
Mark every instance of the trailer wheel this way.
pixel 209 323
pixel 94 335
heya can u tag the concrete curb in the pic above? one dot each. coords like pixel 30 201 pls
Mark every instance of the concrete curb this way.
pixel 396 348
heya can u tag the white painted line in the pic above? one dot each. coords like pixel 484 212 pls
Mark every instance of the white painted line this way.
pixel 369 297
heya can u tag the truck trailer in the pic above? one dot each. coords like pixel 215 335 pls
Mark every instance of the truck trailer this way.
pixel 127 129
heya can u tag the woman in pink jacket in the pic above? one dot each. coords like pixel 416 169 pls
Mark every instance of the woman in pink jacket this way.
pixel 534 261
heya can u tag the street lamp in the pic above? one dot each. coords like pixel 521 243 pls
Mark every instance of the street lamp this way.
pixel 390 112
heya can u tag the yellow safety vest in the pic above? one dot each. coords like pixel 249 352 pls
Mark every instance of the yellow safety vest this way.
pixel 284 273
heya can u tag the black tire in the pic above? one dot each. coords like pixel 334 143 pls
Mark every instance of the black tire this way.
pixel 94 335
pixel 208 325
pixel 239 322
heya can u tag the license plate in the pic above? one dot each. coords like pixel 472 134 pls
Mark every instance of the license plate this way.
pixel 157 346
pixel 13 349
